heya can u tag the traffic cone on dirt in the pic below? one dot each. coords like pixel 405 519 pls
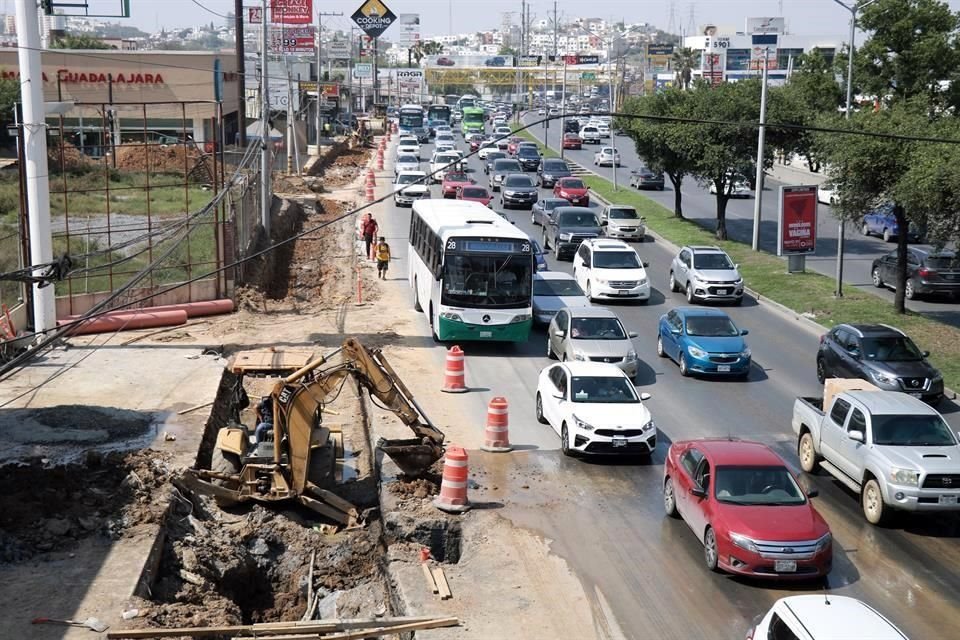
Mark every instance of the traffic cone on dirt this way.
pixel 496 437
pixel 371 177
pixel 453 485
pixel 369 192
pixel 380 160
pixel 454 379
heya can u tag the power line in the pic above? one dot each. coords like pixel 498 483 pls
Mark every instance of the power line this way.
pixel 209 10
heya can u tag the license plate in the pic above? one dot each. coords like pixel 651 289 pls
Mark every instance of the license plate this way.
pixel 947 500
pixel 619 441
pixel 785 566
pixel 721 292
pixel 917 395
pixel 486 334
pixel 623 293
pixel 723 368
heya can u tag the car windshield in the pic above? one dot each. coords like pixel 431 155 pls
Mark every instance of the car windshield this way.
pixel 911 431
pixel 496 155
pixel 456 177
pixel 444 138
pixel 411 142
pixel 891 349
pixel 572 184
pixel 760 486
pixel 711 261
pixel 474 192
pixel 711 327
pixel 408 178
pixel 623 214
pixel 578 220
pixel 570 136
pixel 446 159
pixel 528 151
pixel 556 288
pixel 518 181
pixel 408 160
pixel 555 166
pixel 487 280
pixel 615 260
pixel 596 329
pixel 602 389
pixel 552 203
pixel 537 250
pixel 506 166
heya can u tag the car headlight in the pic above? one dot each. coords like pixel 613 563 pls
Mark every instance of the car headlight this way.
pixel 449 315
pixel 547 176
pixel 697 352
pixel 542 266
pixel 509 193
pixel 738 281
pixel 631 356
pixel 602 281
pixel 743 542
pixel 883 378
pixel 564 194
pixel 520 317
pixel 586 426
pixel 650 426
pixel 565 237
pixel 642 281
pixel 824 542
pixel 746 353
pixel 907 477
pixel 579 356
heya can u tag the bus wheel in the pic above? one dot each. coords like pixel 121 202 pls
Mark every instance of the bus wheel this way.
pixel 416 296
pixel 433 329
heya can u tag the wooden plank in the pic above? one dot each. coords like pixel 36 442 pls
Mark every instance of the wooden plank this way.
pixel 273 361
pixel 325 510
pixel 435 623
pixel 442 584
pixel 431 583
pixel 273 629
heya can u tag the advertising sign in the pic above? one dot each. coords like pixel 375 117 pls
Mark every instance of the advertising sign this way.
pixel 373 17
pixel 588 59
pixel 659 49
pixel 409 29
pixel 529 61
pixel 338 50
pixel 766 25
pixel 254 15
pixel 363 70
pixel 761 56
pixel 797 228
pixel 291 11
pixel 293 40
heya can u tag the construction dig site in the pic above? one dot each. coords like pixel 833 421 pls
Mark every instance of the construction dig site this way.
pixel 250 504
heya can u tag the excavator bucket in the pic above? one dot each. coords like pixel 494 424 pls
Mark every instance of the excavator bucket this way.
pixel 412 456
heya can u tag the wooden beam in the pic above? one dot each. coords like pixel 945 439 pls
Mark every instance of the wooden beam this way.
pixel 442 584
pixel 431 583
pixel 273 629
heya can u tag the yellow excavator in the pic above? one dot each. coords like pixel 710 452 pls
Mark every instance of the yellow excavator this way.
pixel 299 461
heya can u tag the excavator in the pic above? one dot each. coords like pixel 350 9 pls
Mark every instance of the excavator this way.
pixel 298 463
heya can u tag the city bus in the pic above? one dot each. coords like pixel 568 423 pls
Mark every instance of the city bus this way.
pixel 410 118
pixel 473 120
pixel 467 101
pixel 439 112
pixel 471 272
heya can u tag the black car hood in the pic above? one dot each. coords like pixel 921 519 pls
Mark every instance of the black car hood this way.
pixel 523 189
pixel 565 229
pixel 909 369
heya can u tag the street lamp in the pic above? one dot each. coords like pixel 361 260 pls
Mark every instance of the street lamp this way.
pixel 853 9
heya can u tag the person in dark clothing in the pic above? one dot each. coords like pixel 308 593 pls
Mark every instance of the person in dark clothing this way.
pixel 264 411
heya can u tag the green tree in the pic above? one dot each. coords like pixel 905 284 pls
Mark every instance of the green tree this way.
pixel 508 51
pixel 684 60
pixel 71 41
pixel 664 146
pixel 422 48
pixel 9 97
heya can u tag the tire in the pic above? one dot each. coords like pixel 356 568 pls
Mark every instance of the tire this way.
pixel 738 302
pixel 876 278
pixel 416 297
pixel 660 351
pixel 909 290
pixel 673 283
pixel 807 453
pixel 887 236
pixel 588 293
pixel 690 297
pixel 865 229
pixel 550 354
pixel 682 362
pixel 565 441
pixel 821 371
pixel 711 556
pixel 539 409
pixel 669 499
pixel 533 219
pixel 227 463
pixel 556 252
pixel 872 502
pixel 545 244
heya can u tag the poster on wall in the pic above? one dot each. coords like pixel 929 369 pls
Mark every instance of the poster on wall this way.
pixel 798 220
pixel 408 29
pixel 291 11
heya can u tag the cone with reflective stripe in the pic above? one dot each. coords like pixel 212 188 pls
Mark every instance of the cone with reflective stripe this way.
pixel 496 436
pixel 371 177
pixel 454 378
pixel 453 485
pixel 380 160
pixel 369 192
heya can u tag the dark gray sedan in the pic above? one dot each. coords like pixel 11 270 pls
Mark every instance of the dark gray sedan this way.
pixel 541 211
pixel 551 170
pixel 518 190
pixel 492 157
pixel 646 178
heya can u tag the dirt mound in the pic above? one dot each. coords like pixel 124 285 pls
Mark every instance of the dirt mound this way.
pixel 72 159
pixel 346 168
pixel 44 509
pixel 178 159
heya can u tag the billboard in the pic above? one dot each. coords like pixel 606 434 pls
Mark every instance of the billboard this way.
pixel 659 49
pixel 761 55
pixel 408 29
pixel 293 40
pixel 291 11
pixel 797 227
pixel 338 49
pixel 373 17
pixel 766 25
pixel 363 70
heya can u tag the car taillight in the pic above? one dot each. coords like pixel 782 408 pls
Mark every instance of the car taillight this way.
pixel 924 272
pixel 823 338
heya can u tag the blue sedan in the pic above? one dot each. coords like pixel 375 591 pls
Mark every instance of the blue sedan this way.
pixel 703 341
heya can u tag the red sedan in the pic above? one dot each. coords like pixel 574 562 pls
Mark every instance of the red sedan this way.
pixel 475 139
pixel 475 193
pixel 747 509
pixel 452 181
pixel 573 191
pixel 572 141
pixel 512 145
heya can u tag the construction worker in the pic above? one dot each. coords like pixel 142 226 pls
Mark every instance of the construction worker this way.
pixel 382 251
pixel 264 413
pixel 370 228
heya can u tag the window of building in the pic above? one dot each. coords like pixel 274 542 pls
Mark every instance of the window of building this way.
pixel 784 55
pixel 738 59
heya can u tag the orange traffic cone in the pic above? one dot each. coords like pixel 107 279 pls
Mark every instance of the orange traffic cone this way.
pixel 453 379
pixel 369 192
pixel 371 177
pixel 496 436
pixel 453 485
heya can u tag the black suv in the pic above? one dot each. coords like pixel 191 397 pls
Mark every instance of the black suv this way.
pixel 882 355
pixel 571 126
pixel 528 157
pixel 928 273
pixel 551 170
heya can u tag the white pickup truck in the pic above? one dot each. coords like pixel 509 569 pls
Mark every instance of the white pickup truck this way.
pixel 895 451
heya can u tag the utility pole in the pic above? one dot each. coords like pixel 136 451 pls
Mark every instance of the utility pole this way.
pixel 563 108
pixel 35 159
pixel 241 72
pixel 290 133
pixel 266 194
pixel 761 139
pixel 320 16
pixel 556 26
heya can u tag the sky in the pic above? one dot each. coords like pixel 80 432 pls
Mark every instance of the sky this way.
pixel 812 17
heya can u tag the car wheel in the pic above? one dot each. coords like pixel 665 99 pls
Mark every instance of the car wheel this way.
pixel 565 441
pixel 738 302
pixel 659 188
pixel 807 453
pixel 711 556
pixel 877 279
pixel 821 371
pixel 416 297
pixel 533 219
pixel 690 296
pixel 673 282
pixel 540 417
pixel 669 499
pixel 865 229
pixel 550 354
pixel 873 508
pixel 684 371
pixel 887 236
pixel 556 252
pixel 588 292
pixel 660 351
pixel 909 290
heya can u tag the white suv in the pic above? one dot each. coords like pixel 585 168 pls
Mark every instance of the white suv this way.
pixel 610 269
pixel 590 133
pixel 706 273
pixel 811 617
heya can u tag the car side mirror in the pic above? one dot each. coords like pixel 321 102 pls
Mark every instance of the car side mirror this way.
pixel 559 333
pixel 856 436
pixel 645 396
pixel 736 267
pixel 632 334
pixel 675 332
pixel 744 332
pixel 813 492
pixel 925 354
pixel 700 492
pixel 603 223
pixel 646 263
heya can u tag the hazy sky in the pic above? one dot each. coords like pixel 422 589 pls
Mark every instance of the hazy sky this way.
pixel 815 17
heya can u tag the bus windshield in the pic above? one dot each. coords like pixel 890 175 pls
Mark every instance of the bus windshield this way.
pixel 483 280
pixel 439 112
pixel 411 118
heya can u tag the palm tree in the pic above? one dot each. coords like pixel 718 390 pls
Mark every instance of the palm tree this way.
pixel 421 49
pixel 684 61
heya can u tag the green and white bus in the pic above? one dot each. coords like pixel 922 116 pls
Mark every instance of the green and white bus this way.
pixel 471 272
pixel 473 120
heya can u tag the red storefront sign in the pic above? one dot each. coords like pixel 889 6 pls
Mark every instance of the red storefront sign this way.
pixel 293 40
pixel 291 11
pixel 798 220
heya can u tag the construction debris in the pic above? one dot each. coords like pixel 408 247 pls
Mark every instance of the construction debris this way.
pixel 442 586
pixel 349 629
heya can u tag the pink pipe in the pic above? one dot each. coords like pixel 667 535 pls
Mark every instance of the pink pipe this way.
pixel 127 322
pixel 193 309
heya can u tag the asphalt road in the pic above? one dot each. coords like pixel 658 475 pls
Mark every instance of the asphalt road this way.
pixel 700 206
pixel 605 517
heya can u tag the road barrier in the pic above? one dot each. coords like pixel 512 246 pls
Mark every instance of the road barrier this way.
pixel 379 159
pixel 454 380
pixel 371 178
pixel 369 192
pixel 496 436
pixel 453 485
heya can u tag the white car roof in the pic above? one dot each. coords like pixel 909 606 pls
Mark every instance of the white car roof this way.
pixel 837 617
pixel 553 275
pixel 419 174
pixel 606 244
pixel 593 369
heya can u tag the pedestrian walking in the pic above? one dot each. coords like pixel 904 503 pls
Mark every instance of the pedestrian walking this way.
pixel 370 228
pixel 383 258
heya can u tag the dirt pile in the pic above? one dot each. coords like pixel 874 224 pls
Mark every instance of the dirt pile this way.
pixel 346 168
pixel 66 157
pixel 178 159
pixel 44 509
